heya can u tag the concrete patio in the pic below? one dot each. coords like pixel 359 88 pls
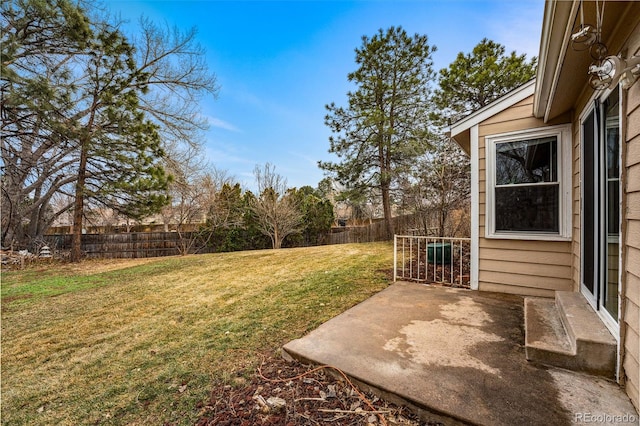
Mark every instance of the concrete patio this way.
pixel 458 357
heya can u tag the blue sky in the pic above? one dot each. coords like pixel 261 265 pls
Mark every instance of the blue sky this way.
pixel 279 64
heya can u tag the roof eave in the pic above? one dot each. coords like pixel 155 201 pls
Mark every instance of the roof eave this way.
pixel 556 34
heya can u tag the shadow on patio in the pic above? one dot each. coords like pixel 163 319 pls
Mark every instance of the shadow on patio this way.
pixel 456 356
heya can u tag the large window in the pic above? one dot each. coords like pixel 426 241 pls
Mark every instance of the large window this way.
pixel 527 185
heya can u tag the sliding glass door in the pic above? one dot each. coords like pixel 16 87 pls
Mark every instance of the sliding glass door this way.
pixel 600 238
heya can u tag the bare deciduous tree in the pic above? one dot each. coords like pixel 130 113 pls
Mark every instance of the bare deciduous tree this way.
pixel 276 210
pixel 195 188
pixel 442 186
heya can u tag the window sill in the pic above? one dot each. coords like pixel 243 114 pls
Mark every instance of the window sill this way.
pixel 527 237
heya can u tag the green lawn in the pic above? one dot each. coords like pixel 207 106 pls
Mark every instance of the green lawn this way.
pixel 141 341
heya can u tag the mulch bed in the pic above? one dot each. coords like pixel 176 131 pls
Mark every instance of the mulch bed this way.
pixel 287 393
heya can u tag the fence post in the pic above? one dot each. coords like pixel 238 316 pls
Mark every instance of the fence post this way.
pixel 395 257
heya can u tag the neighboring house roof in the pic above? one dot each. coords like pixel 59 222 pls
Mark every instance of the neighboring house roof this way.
pixel 461 130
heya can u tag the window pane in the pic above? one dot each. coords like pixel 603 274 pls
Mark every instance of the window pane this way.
pixel 612 155
pixel 589 205
pixel 612 135
pixel 613 207
pixel 527 208
pixel 529 161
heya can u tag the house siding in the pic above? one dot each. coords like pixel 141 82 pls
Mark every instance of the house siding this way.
pixel 540 268
pixel 631 241
pixel 536 268
pixel 577 224
pixel 630 297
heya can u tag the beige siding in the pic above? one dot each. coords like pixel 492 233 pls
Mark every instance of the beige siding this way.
pixel 522 291
pixel 630 327
pixel 541 268
pixel 536 268
pixel 631 274
pixel 576 234
pixel 631 344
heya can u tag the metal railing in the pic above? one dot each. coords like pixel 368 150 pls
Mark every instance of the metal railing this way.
pixel 440 260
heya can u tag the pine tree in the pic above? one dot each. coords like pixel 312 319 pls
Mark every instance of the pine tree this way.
pixel 87 114
pixel 119 148
pixel 41 40
pixel 385 126
pixel 471 81
pixel 476 79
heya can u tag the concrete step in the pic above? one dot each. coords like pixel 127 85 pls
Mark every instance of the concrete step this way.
pixel 567 333
pixel 594 345
pixel 546 340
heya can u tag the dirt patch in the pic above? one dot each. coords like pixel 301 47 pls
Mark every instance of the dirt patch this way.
pixel 15 262
pixel 4 306
pixel 287 393
pixel 93 266
pixel 10 299
pixel 387 272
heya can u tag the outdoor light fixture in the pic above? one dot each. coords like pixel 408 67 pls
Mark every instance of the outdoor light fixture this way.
pixel 584 37
pixel 614 69
pixel 607 71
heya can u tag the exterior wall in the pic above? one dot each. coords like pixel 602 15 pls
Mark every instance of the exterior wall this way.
pixel 576 219
pixel 630 294
pixel 630 277
pixel 536 268
pixel 542 267
pixel 631 242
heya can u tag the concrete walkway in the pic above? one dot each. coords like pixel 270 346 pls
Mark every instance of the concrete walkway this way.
pixel 457 356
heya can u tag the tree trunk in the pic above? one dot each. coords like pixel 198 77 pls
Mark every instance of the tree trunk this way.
pixel 445 206
pixel 35 215
pixel 8 221
pixel 385 181
pixel 39 221
pixel 78 205
pixel 386 208
pixel 276 239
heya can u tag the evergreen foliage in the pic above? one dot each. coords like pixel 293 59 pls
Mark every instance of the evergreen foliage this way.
pixel 476 79
pixel 317 217
pixel 472 81
pixel 384 127
pixel 88 115
pixel 40 42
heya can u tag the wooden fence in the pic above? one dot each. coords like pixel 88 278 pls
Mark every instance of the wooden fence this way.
pixel 133 245
pixel 358 234
pixel 129 245
pixel 155 244
pixel 376 231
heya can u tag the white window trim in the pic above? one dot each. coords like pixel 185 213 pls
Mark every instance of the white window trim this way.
pixel 563 134
pixel 475 209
